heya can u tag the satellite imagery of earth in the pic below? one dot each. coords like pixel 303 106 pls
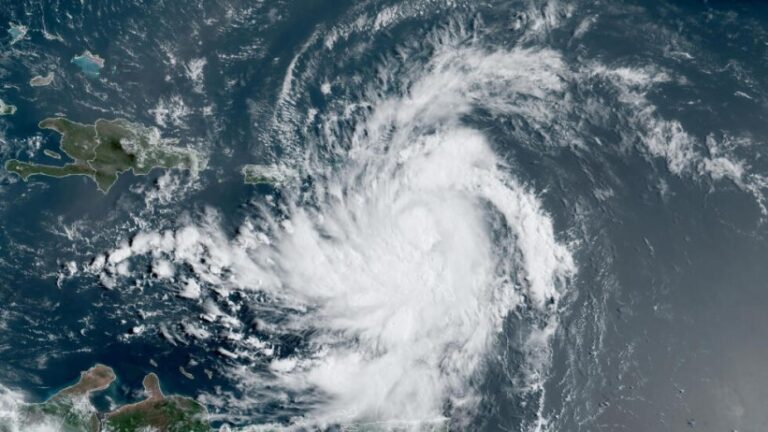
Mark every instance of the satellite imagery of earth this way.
pixel 383 215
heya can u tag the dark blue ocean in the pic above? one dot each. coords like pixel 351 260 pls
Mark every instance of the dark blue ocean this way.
pixel 638 128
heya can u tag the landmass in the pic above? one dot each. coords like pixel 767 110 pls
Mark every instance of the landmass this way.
pixel 41 81
pixel 265 174
pixel 71 410
pixel 104 150
pixel 158 412
pixel 89 63
pixel 6 109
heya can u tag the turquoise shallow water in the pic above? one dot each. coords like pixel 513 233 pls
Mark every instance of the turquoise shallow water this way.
pixel 89 65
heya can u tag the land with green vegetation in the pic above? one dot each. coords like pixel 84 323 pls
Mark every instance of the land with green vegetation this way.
pixel 264 174
pixel 71 410
pixel 158 412
pixel 104 150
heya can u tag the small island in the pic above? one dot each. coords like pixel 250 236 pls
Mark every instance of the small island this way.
pixel 51 154
pixel 6 109
pixel 71 409
pixel 104 150
pixel 41 81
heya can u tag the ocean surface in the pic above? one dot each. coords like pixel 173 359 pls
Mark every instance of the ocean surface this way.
pixel 497 215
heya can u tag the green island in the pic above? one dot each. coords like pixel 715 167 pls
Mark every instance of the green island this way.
pixel 264 174
pixel 104 150
pixel 70 410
